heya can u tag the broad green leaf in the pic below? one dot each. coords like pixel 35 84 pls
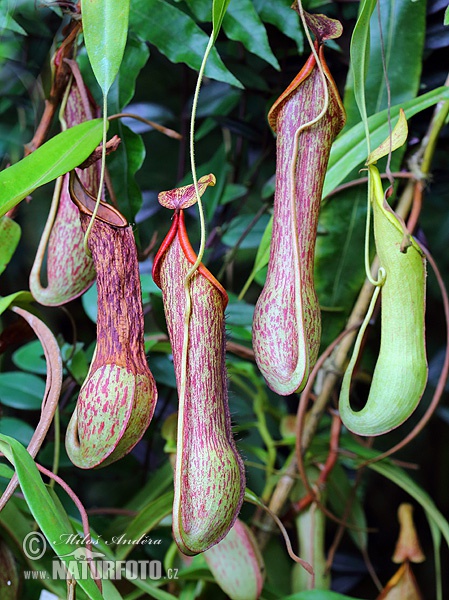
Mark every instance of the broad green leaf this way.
pixel 76 362
pixel 163 370
pixel 89 302
pixel 219 8
pixel 30 357
pixel 17 297
pixel 220 167
pixel 242 24
pixel 6 471
pixel 339 272
pixel 233 191
pixel 123 164
pixel 403 28
pixel 23 391
pixel 16 428
pixel 239 313
pixel 43 507
pixel 145 521
pixel 262 256
pixel 239 227
pixel 349 150
pixel 201 9
pixel 446 16
pixel 9 238
pixel 177 36
pixel 122 90
pixel 16 522
pixel 56 157
pixel 12 25
pixel 281 15
pixel 105 28
pixel 157 485
pixel 360 44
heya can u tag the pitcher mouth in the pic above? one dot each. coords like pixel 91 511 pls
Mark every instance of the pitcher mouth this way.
pixel 85 203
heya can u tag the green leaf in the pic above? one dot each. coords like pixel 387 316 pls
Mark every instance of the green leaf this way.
pixel 30 357
pixel 9 238
pixel 18 524
pixel 281 15
pixel 240 225
pixel 123 164
pixel 349 151
pixel 145 521
pixel 163 370
pixel 339 272
pixel 5 471
pixel 404 481
pixel 150 588
pixel 262 256
pixel 403 28
pixel 17 297
pixel 239 313
pixel 16 428
pixel 56 157
pixel 23 391
pixel 446 16
pixel 394 141
pixel 105 28
pixel 219 8
pixel 177 36
pixel 220 167
pixel 242 24
pixel 360 43
pixel 89 302
pixel 43 507
pixel 122 90
pixel 201 9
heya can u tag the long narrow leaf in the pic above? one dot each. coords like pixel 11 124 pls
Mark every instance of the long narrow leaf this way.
pixel 242 23
pixel 349 151
pixel 148 518
pixel 43 507
pixel 401 479
pixel 105 27
pixel 360 58
pixel 9 238
pixel 219 8
pixel 56 157
pixel 177 36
